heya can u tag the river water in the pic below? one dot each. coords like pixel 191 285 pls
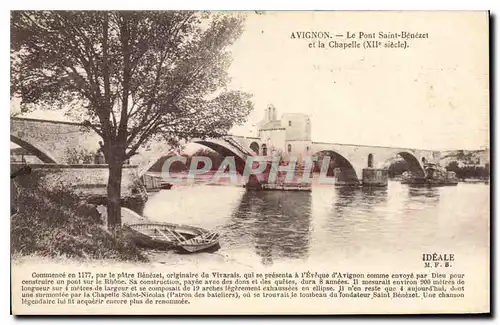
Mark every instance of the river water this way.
pixel 271 227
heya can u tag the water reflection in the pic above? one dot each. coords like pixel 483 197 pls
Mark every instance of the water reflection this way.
pixel 360 198
pixel 430 192
pixel 374 195
pixel 330 222
pixel 276 222
pixel 422 197
pixel 355 219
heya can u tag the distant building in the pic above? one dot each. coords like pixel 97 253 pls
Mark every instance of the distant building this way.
pixel 290 135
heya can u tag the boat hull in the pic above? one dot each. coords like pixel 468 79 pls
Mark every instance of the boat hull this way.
pixel 147 242
pixel 435 176
pixel 207 248
pixel 166 236
pixel 208 241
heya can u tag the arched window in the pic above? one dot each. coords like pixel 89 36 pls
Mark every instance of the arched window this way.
pixel 289 123
pixel 264 149
pixel 307 148
pixel 370 160
pixel 289 148
pixel 255 147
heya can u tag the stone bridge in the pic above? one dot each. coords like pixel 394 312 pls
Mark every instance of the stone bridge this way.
pixel 359 157
pixel 54 142
pixel 57 142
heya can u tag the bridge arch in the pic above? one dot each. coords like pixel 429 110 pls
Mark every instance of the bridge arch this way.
pixel 264 149
pixel 226 147
pixel 255 147
pixel 416 168
pixel 34 149
pixel 225 151
pixel 339 161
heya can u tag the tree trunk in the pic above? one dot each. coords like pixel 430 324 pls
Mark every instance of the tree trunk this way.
pixel 114 194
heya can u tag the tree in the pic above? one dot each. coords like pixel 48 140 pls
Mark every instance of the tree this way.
pixel 452 166
pixel 133 76
pixel 175 167
pixel 486 171
pixel 214 157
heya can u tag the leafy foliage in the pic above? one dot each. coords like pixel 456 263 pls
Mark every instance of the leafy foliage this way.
pixel 138 74
pixel 83 156
pixel 131 75
pixel 469 171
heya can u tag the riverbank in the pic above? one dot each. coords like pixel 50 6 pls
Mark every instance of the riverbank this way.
pixel 466 180
pixel 475 180
pixel 57 223
pixel 152 259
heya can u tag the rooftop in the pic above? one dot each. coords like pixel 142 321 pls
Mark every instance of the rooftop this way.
pixel 271 125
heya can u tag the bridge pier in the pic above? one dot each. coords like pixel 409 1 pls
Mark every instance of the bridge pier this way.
pixel 280 183
pixel 371 177
pixel 375 177
pixel 345 177
pixel 253 184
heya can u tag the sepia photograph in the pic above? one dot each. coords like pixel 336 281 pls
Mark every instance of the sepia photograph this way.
pixel 249 162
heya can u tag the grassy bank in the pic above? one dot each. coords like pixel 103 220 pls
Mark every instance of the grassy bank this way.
pixel 56 222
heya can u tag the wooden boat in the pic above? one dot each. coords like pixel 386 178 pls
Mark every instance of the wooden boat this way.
pixel 183 238
pixel 204 242
pixel 435 176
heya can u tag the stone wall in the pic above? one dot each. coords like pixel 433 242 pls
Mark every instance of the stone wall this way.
pixel 89 181
pixel 273 139
pixel 298 126
pixel 81 178
pixel 375 177
pixel 54 138
pixel 299 148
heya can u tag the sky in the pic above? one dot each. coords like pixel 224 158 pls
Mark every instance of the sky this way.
pixel 432 95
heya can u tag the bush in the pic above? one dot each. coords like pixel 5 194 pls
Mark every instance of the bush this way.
pixel 83 156
pixel 53 222
pixel 469 171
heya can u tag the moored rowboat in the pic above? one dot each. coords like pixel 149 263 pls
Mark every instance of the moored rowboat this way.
pixel 183 238
pixel 203 242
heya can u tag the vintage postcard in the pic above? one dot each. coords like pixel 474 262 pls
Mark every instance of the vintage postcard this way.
pixel 252 162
